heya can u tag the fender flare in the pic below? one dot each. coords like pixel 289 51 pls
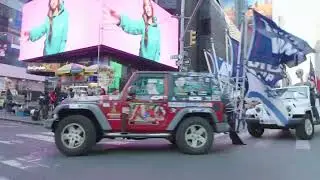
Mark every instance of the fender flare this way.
pixel 96 111
pixel 179 116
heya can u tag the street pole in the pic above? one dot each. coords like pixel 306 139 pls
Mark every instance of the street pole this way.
pixel 182 18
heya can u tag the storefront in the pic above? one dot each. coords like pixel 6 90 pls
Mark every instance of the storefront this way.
pixel 10 78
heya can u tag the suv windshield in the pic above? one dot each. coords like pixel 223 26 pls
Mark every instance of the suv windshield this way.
pixel 292 93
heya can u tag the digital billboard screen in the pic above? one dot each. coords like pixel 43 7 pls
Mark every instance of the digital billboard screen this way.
pixel 141 28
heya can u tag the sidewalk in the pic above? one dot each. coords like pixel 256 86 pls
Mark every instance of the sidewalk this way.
pixel 11 117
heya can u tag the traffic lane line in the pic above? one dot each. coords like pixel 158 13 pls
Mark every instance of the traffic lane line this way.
pixel 303 145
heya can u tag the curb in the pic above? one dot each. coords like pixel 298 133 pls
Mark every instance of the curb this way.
pixel 23 121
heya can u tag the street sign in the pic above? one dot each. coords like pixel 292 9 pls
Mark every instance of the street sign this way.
pixel 179 56
pixel 174 57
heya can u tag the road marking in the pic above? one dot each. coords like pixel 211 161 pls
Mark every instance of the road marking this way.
pixel 3 178
pixel 6 142
pixel 263 143
pixel 47 133
pixel 9 126
pixel 37 137
pixel 303 145
pixel 16 164
pixel 25 162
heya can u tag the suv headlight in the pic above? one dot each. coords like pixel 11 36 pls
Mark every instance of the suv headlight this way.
pixel 289 108
pixel 258 109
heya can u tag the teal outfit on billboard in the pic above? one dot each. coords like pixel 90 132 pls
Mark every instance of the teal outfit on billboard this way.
pixel 59 33
pixel 117 68
pixel 151 50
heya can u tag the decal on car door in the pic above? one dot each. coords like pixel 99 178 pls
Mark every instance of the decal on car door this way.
pixel 146 112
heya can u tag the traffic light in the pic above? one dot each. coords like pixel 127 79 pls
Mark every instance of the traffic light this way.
pixel 193 37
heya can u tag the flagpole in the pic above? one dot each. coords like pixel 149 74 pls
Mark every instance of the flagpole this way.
pixel 245 59
pixel 227 55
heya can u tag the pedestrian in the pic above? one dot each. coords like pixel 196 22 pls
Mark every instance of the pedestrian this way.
pixel 231 118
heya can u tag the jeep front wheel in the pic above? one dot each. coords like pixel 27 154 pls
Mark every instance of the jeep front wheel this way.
pixel 305 131
pixel 255 130
pixel 194 136
pixel 75 135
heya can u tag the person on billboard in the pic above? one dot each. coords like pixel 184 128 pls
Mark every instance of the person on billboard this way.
pixel 147 27
pixel 55 28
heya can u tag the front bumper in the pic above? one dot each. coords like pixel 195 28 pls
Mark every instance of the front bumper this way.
pixel 291 122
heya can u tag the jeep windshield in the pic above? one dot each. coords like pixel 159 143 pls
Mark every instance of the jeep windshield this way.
pixel 291 93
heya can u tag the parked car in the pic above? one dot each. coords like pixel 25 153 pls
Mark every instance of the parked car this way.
pixel 184 108
pixel 301 116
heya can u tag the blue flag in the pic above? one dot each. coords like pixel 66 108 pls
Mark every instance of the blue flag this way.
pixel 272 45
pixel 272 48
pixel 263 93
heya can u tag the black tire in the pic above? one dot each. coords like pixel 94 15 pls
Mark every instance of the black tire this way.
pixel 89 138
pixel 181 141
pixel 301 130
pixel 255 130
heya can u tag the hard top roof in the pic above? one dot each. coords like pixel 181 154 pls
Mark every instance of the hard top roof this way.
pixel 204 74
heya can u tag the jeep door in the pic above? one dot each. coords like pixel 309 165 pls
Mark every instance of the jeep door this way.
pixel 148 108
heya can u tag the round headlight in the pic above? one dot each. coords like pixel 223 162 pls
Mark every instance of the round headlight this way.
pixel 289 108
pixel 258 109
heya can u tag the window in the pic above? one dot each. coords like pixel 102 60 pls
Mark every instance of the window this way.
pixel 197 86
pixel 149 86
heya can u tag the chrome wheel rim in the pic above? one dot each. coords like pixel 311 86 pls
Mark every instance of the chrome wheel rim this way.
pixel 73 136
pixel 308 127
pixel 196 136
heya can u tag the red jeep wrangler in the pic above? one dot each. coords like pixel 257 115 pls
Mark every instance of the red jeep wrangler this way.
pixel 184 108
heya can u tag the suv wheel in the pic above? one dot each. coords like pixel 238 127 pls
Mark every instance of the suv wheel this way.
pixel 75 135
pixel 194 136
pixel 255 130
pixel 305 131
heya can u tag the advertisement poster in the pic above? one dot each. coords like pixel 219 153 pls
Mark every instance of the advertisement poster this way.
pixel 56 26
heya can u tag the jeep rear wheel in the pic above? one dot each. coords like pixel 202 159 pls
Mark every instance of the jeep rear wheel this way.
pixel 75 135
pixel 194 136
pixel 255 130
pixel 305 131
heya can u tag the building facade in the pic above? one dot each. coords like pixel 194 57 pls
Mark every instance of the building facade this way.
pixel 11 69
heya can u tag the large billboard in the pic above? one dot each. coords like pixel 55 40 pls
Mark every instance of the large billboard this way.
pixel 141 28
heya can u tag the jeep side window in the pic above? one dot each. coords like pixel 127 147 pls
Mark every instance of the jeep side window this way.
pixel 149 86
pixel 196 86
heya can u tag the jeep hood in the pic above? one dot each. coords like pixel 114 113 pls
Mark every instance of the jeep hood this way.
pixel 88 99
pixel 91 99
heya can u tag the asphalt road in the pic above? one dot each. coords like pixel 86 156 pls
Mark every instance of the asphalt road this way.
pixel 28 153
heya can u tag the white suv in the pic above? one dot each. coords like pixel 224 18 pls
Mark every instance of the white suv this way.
pixel 298 111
